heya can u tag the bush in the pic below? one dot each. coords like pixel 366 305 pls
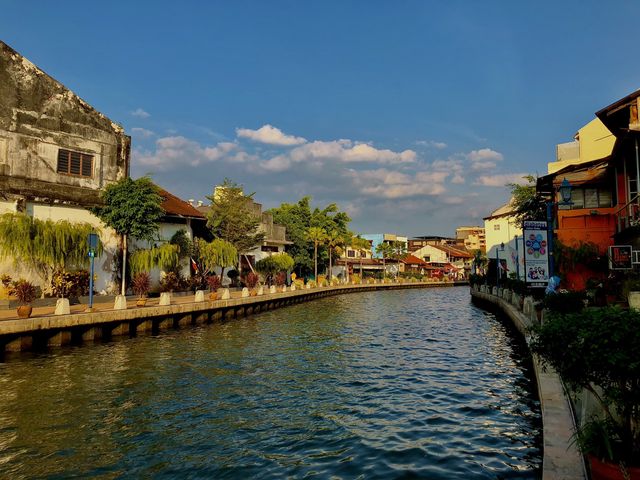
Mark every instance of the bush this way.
pixel 198 282
pixel 598 350
pixel 251 280
pixel 24 291
pixel 171 282
pixel 70 284
pixel 564 302
pixel 281 279
pixel 322 280
pixel 5 279
pixel 214 282
pixel 141 284
pixel 356 278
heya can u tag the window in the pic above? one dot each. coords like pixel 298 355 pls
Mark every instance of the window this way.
pixel 269 248
pixel 590 198
pixel 75 163
pixel 496 226
pixel 351 253
pixel 427 258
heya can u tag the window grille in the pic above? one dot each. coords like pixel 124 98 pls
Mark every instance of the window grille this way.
pixel 75 163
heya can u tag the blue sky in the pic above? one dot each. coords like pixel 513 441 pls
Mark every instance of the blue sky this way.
pixel 410 115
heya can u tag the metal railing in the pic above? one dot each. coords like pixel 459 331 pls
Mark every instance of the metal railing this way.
pixel 628 215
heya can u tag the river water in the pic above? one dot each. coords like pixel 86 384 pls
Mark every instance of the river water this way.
pixel 396 384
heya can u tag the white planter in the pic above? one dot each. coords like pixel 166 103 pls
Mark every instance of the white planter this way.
pixel 272 289
pixel 165 299
pixel 199 296
pixel 120 303
pixel 62 306
pixel 226 295
pixel 260 290
pixel 634 300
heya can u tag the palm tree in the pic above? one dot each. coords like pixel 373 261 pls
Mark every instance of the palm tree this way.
pixel 479 261
pixel 333 240
pixel 362 245
pixel 384 249
pixel 317 235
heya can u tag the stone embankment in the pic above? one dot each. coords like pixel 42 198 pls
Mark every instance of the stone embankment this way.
pixel 48 330
pixel 561 458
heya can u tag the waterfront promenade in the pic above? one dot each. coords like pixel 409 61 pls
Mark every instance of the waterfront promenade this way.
pixel 44 329
pixel 561 458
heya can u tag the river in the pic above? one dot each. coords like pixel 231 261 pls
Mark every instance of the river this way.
pixel 392 384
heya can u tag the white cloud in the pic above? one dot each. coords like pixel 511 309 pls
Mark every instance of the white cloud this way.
pixel 140 113
pixel 339 151
pixel 500 180
pixel 177 151
pixel 270 135
pixel 432 143
pixel 485 154
pixel 142 132
pixel 389 184
pixel 457 179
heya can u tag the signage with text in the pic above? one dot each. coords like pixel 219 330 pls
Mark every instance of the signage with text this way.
pixel 620 257
pixel 536 253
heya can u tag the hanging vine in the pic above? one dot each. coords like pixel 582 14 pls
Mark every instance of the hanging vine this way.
pixel 44 245
pixel 165 257
pixel 218 253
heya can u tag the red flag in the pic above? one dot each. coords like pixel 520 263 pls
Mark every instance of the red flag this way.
pixel 194 265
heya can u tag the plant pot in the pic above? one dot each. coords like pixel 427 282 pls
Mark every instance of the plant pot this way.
pixel 24 311
pixel 253 293
pixel 141 302
pixel 611 471
pixel 213 296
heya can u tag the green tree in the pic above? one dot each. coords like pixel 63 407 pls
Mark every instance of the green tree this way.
pixel 232 217
pixel 132 208
pixel 479 261
pixel 273 264
pixel 334 240
pixel 44 245
pixel 384 249
pixel 217 253
pixel 526 202
pixel 362 245
pixel 298 218
pixel 317 235
pixel 398 252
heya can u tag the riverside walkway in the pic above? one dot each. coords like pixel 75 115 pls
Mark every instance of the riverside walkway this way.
pixel 44 329
pixel 561 458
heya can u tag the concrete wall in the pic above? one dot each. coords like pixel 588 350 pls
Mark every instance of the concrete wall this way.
pixel 593 141
pixel 499 230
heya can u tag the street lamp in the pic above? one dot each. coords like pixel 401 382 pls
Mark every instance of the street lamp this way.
pixel 565 194
pixel 498 263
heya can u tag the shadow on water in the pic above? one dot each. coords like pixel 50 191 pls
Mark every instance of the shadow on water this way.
pixel 402 384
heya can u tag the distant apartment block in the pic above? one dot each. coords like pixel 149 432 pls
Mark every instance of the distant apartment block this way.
pixel 473 238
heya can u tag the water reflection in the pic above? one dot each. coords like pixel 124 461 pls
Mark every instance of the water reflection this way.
pixel 380 385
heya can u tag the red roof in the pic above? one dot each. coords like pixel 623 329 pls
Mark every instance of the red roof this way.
pixel 454 252
pixel 173 205
pixel 414 260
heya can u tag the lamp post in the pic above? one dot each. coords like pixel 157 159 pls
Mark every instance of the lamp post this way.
pixel 515 239
pixel 92 241
pixel 565 194
pixel 498 263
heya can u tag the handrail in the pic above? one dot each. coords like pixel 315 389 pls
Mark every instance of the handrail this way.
pixel 626 204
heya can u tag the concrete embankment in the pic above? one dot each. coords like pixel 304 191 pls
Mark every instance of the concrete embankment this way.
pixel 561 458
pixel 56 330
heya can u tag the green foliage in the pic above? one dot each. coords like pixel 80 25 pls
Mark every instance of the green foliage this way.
pixel 164 257
pixel 171 282
pixel 141 284
pixel 44 245
pixel 275 263
pixel 183 242
pixel 584 253
pixel 528 205
pixel 298 219
pixel 70 284
pixel 24 291
pixel 564 302
pixel 232 217
pixel 217 253
pixel 599 350
pixel 132 208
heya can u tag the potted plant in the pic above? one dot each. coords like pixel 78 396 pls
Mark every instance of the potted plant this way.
pixel 598 350
pixel 140 285
pixel 214 284
pixel 251 280
pixel 25 293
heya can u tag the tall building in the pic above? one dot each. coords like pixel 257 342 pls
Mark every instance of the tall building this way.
pixel 473 238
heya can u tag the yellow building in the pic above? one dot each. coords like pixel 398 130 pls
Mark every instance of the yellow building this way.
pixel 592 142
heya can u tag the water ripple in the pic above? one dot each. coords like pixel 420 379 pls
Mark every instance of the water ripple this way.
pixel 403 384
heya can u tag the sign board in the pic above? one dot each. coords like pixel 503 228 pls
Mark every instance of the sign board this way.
pixel 536 253
pixel 620 257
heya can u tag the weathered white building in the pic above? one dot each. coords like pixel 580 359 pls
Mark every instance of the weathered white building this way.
pixel 56 153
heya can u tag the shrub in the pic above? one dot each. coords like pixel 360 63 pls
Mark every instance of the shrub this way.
pixel 171 282
pixel 233 275
pixel 281 278
pixel 198 282
pixel 356 278
pixel 564 302
pixel 598 350
pixel 141 284
pixel 312 283
pixel 5 279
pixel 322 280
pixel 299 283
pixel 214 282
pixel 70 284
pixel 251 280
pixel 24 291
